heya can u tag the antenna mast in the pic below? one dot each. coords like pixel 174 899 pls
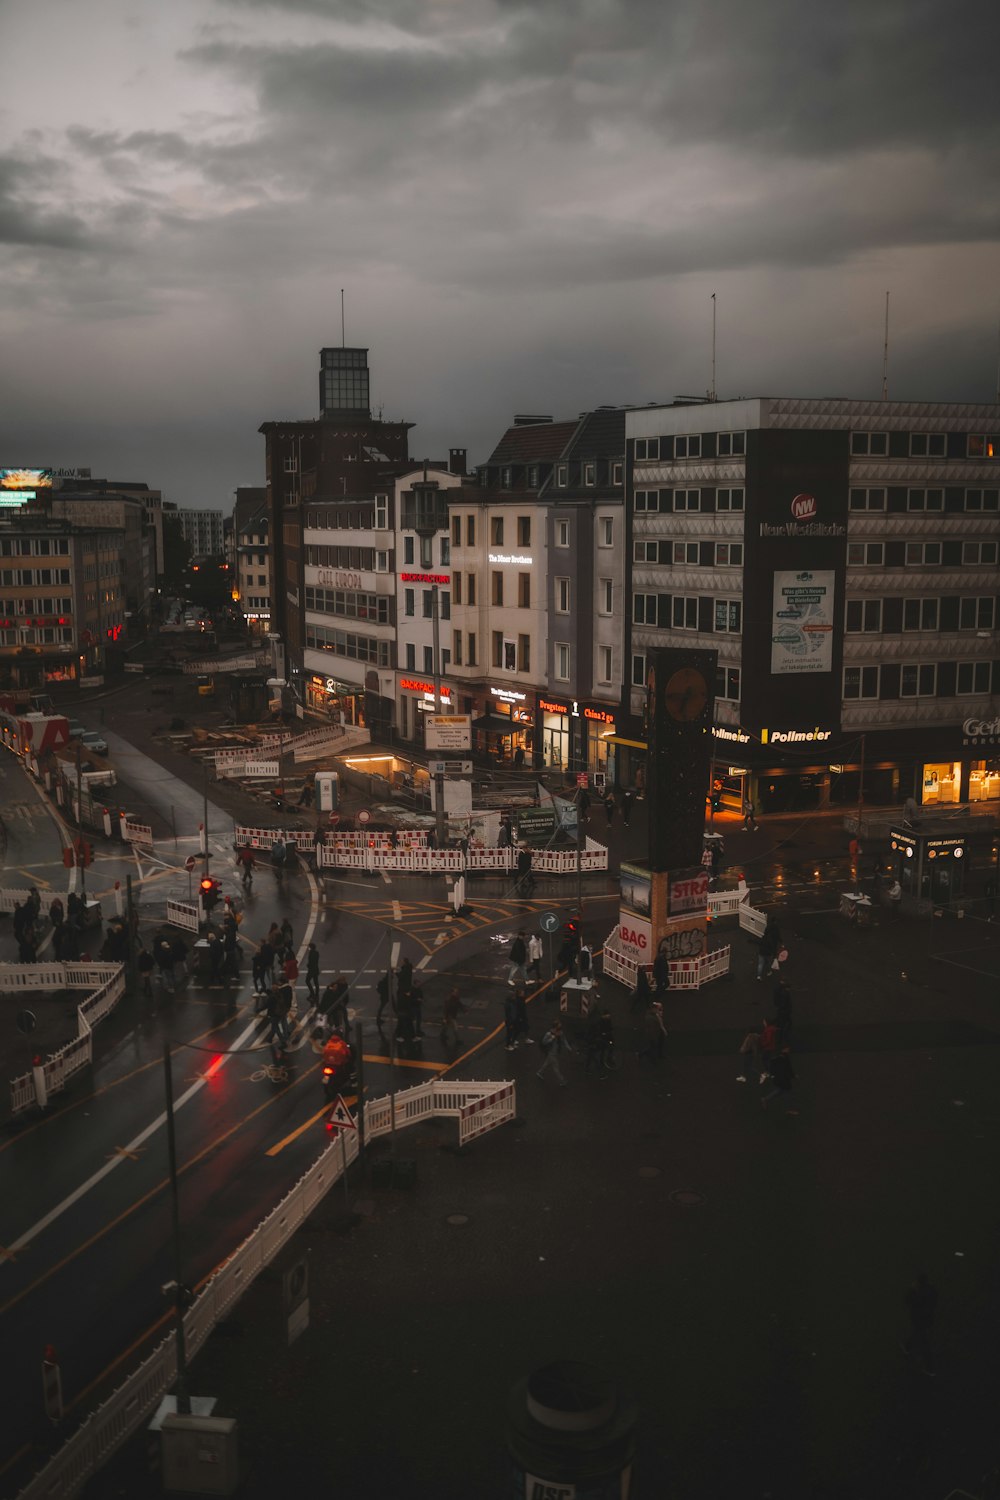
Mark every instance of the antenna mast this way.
pixel 343 335
pixel 885 353
pixel 712 394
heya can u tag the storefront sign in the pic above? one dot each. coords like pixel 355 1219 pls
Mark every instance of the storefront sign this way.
pixel 448 731
pixel 552 708
pixel 793 736
pixel 513 558
pixel 804 507
pixel 425 577
pixel 417 685
pixel 803 528
pixel 508 695
pixel 943 848
pixel 449 768
pixel 599 716
pixel 902 843
pixel 635 884
pixel 333 578
pixel 687 891
pixel 737 736
pixel 802 623
pixel 981 732
pixel 635 936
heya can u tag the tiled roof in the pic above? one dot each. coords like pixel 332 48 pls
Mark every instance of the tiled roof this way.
pixel 539 442
pixel 601 434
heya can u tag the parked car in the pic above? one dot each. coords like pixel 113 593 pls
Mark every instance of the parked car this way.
pixel 76 729
pixel 95 742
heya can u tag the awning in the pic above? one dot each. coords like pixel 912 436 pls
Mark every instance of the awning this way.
pixel 495 724
pixel 617 739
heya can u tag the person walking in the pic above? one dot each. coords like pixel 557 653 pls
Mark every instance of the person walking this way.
pixel 312 974
pixel 382 989
pixel 583 804
pixel 661 973
pixel 770 947
pixel 610 807
pixel 895 897
pixel 290 970
pixel 760 1047
pixel 921 1304
pixel 749 817
pixel 510 1022
pixel 521 1027
pixel 553 1044
pixel 642 995
pixel 782 1078
pixel 535 952
pixel 417 1007
pixel 333 1005
pixel 518 956
pixel 628 798
pixel 600 1040
pixel 453 1008
pixel 654 1033
pixel 145 963
pixel 163 954
pixel 279 1005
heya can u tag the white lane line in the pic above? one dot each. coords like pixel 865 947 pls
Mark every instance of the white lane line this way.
pixel 385 877
pixel 424 961
pixel 394 958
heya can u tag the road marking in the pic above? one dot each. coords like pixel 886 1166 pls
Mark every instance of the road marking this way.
pixel 5 1254
pixel 122 1151
pixel 406 1062
pixel 397 912
pixel 424 961
pixel 301 1129
pixel 385 877
pixel 395 954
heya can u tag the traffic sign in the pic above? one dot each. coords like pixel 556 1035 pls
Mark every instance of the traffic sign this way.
pixel 548 921
pixel 190 863
pixel 364 816
pixel 582 779
pixel 340 1117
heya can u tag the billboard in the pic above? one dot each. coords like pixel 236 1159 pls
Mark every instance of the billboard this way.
pixel 25 479
pixel 802 622
pixel 635 885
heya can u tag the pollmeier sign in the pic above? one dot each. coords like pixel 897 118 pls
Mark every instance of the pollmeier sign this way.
pixel 448 731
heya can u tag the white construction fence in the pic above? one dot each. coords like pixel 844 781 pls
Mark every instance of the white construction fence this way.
pixel 478 1107
pixel 411 853
pixel 690 973
pixel 106 983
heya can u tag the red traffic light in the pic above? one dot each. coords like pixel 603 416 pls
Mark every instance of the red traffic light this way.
pixel 207 884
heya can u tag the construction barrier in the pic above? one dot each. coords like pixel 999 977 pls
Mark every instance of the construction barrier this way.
pixel 752 921
pixel 685 973
pixel 107 985
pixel 136 833
pixel 114 1421
pixel 412 854
pixel 183 914
pixel 9 899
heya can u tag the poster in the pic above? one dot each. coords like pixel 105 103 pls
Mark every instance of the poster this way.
pixel 802 623
pixel 636 889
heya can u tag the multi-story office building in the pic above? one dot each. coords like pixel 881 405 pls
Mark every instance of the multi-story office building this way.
pixel 424 581
pixel 250 560
pixel 842 557
pixel 62 601
pixel 203 532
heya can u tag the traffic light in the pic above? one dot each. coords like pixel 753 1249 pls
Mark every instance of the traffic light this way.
pixel 208 889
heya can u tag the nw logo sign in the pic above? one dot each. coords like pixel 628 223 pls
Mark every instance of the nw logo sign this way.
pixel 804 507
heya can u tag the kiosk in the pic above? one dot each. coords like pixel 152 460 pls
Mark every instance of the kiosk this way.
pixel 930 867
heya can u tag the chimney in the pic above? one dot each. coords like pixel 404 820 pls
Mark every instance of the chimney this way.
pixel 457 460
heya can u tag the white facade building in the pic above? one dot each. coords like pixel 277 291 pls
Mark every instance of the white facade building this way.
pixel 202 530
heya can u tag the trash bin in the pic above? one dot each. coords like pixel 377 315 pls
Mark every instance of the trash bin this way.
pixel 570 1431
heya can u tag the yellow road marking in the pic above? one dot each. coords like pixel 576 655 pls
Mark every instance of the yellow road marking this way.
pixel 121 1151
pixel 301 1129
pixel 6 1254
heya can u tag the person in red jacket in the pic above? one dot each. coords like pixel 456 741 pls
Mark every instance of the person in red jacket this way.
pixel 760 1046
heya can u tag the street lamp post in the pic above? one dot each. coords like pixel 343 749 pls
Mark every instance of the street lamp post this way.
pixel 183 1398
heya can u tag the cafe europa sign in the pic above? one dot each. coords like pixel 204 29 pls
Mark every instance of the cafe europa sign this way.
pixel 981 732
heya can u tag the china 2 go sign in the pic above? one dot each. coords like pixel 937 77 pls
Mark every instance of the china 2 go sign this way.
pixel 636 938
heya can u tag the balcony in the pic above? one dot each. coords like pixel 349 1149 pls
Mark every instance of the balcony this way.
pixel 425 510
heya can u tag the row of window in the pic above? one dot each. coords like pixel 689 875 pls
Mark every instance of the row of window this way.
pixel 688 445
pixel 427 602
pixel 353 647
pixel 350 604
pixel 880 498
pixel 426 551
pixel 924 445
pixel 691 554
pixel 497 580
pixel 950 554
pixel 47 635
pixel 688 612
pixel 34 546
pixel 57 606
pixel 588 475
pixel 654 501
pixel 350 518
pixel 362 559
pixel 34 577
pixel 727 679
pixel 522 535
pixel 410 663
pixel 922 680
pixel 889 616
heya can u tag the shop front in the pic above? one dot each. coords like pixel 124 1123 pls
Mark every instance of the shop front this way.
pixel 597 727
pixel 343 702
pixel 503 730
pixel 555 727
pixel 416 699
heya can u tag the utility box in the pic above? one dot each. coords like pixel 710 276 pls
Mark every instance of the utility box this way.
pixel 199 1455
pixel 327 791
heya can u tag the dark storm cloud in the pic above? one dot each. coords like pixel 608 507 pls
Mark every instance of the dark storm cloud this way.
pixel 22 221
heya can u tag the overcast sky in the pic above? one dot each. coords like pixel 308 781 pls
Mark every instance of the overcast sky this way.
pixel 529 206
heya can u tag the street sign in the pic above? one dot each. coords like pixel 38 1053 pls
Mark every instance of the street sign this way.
pixel 582 779
pixel 190 863
pixel 364 816
pixel 548 921
pixel 449 767
pixel 340 1117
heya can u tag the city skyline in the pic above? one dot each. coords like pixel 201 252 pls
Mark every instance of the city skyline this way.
pixel 526 210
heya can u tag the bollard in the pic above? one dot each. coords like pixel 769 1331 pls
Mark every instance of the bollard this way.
pixel 570 1432
pixel 201 838
pixel 119 899
pixel 107 823
pixel 38 1078
pixel 121 826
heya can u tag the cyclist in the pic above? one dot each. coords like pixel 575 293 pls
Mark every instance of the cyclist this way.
pixel 279 858
pixel 246 860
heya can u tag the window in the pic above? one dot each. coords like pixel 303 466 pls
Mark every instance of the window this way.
pixel 408 549
pixel 470 531
pixel 983 553
pixel 590 475
pixel 646 448
pixel 470 591
pixel 687 499
pixel 923 554
pixel 472 648
pixel 918 681
pixel 562 533
pixel 428 658
pixel 617 474
pixel 562 596
pixel 496 531
pixel 732 443
pixel 411 656
pixel 524 653
pixel 561 659
pixel 445 552
pixel 973 677
pixel 864 615
pixel 497 586
pixel 729 554
pixel 445 601
pixel 456 647
pixel 639 670
pixel 727 683
pixel 381 512
pixel 505 475
pixel 686 552
pixel 604 663
pixel 729 616
pixel 976 614
pixel 927 445
pixel 456 587
pixel 925 499
pixel 524 531
pixel 498 648
pixel 562 475
pixel 524 590
pixel 685 613
pixel 644 609
pixel 729 499
pixel 865 554
pixel 861 682
pixel 981 499
pixel 381 562
pixel 688 447
pixel 456 531
pixel 646 552
pixel 606 534
pixel 291 465
pixel 533 477
pixel 606 596
pixel 647 501
pixel 868 499
pixel 873 444
pixel 409 601
pixel 982 445
pixel 920 614
pixel 428 603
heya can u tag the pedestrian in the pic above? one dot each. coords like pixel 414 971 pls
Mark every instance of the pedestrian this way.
pixel 535 952
pixel 334 1004
pixel 145 963
pixel 583 804
pixel 567 953
pixel 661 973
pixel 383 997
pixel 510 1022
pixel 519 758
pixel 525 882
pixel 286 932
pixel 760 1046
pixel 782 1078
pixel 56 912
pixel 504 834
pixel 600 1038
pixel 312 974
pixel 642 995
pixel 518 956
pixel 179 955
pixel 279 1005
pixel 654 1033
pixel 404 977
pixel 610 807
pixel 749 818
pixel 521 1029
pixel 453 1008
pixel 628 797
pixel 770 947
pixel 417 1006
pixel 921 1304
pixel 895 896
pixel 404 1014
pixel 163 954
pixel 552 1044
pixel 290 969
pixel 216 960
